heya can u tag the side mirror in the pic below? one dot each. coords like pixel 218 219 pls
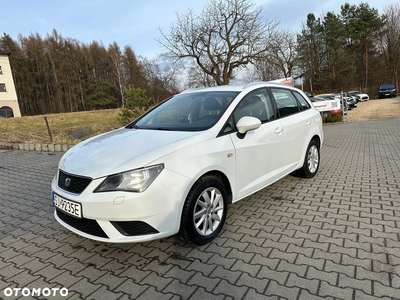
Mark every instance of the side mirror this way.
pixel 246 124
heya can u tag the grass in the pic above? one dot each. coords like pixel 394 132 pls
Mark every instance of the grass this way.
pixel 66 128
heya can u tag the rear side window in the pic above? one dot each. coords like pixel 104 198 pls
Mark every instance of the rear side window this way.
pixel 303 102
pixel 285 101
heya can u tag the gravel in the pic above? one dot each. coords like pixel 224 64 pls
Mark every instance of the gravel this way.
pixel 375 109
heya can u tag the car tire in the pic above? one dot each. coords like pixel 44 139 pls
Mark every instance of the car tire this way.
pixel 204 211
pixel 311 161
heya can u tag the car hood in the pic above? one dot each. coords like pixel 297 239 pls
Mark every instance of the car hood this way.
pixel 125 149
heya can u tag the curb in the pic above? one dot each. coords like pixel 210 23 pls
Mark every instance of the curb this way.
pixel 36 147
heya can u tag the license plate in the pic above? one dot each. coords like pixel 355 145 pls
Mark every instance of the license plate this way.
pixel 67 206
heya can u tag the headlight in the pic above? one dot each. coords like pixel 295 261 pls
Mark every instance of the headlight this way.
pixel 131 181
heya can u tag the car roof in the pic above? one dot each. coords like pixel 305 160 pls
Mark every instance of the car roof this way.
pixel 238 87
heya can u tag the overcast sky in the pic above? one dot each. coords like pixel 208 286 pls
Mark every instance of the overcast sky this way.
pixel 137 22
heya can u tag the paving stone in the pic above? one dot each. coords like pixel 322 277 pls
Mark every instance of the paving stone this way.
pixel 23 278
pixel 227 263
pixel 290 257
pixel 385 291
pixel 49 272
pixel 201 294
pixel 204 281
pixel 134 273
pixel 250 269
pixel 225 288
pixel 357 284
pixel 349 270
pixel 327 289
pixel 298 281
pixel 200 267
pixel 300 270
pixel 182 290
pixel 275 289
pixel 84 287
pixel 258 284
pixel 246 257
pixel 360 295
pixel 313 273
pixel 104 294
pixel 131 288
pixel 252 295
pixel 305 295
pixel 151 293
pixel 279 276
pixel 306 261
pixel 271 263
pixel 33 265
pixel 66 279
pixel 228 275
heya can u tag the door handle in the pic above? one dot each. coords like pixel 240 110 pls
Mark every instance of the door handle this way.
pixel 278 130
pixel 308 123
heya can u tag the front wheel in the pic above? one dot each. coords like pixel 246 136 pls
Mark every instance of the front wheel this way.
pixel 204 211
pixel 311 161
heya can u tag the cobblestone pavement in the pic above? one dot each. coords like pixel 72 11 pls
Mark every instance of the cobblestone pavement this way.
pixel 334 236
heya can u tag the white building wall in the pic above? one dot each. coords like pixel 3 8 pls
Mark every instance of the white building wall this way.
pixel 9 97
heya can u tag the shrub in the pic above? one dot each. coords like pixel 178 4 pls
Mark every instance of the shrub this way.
pixel 136 102
pixel 331 118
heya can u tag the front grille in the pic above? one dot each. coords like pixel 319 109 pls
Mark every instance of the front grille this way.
pixel 133 228
pixel 72 183
pixel 88 226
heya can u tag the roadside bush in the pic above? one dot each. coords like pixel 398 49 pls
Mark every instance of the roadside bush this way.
pixel 136 102
pixel 331 118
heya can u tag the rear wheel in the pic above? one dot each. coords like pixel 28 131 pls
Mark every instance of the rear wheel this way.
pixel 311 161
pixel 204 211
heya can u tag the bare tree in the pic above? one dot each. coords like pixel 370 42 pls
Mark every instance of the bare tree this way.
pixel 118 69
pixel 197 78
pixel 280 60
pixel 265 70
pixel 227 35
pixel 282 52
pixel 390 40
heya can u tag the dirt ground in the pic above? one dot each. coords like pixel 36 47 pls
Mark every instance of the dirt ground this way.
pixel 375 109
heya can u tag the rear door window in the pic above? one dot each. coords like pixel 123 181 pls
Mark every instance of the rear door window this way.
pixel 285 101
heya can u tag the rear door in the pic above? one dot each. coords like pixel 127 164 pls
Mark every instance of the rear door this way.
pixel 296 117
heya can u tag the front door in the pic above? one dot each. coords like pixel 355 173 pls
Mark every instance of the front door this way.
pixel 259 155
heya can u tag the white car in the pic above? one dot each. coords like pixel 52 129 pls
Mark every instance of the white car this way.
pixel 176 168
pixel 359 96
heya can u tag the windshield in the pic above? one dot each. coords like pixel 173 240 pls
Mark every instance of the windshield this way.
pixel 387 86
pixel 187 112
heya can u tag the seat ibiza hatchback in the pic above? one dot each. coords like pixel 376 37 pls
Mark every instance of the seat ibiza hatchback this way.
pixel 176 168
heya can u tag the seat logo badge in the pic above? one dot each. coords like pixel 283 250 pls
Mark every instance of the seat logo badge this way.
pixel 67 182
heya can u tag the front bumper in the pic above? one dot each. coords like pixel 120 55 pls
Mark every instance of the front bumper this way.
pixel 124 217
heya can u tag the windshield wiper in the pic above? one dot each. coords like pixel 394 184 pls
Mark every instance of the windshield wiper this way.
pixel 160 128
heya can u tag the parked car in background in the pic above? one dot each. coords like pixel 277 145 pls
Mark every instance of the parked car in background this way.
pixel 176 168
pixel 350 101
pixel 387 90
pixel 309 95
pixel 358 95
